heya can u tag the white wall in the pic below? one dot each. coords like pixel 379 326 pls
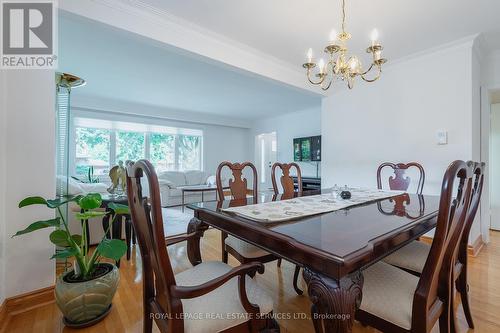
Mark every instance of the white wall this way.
pixel 29 157
pixel 491 69
pixel 3 147
pixel 287 127
pixel 495 166
pixel 219 142
pixel 396 119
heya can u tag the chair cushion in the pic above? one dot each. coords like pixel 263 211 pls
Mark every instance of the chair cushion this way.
pixel 247 250
pixel 221 308
pixel 388 293
pixel 411 257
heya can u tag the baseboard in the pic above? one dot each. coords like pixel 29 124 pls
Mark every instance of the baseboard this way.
pixel 3 317
pixel 25 302
pixel 472 250
pixel 476 246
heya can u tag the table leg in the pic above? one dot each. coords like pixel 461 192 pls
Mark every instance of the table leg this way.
pixel 116 230
pixel 182 201
pixel 202 200
pixel 193 243
pixel 128 234
pixel 334 302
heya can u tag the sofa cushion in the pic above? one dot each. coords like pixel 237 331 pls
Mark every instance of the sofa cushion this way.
pixel 73 185
pixel 195 177
pixel 176 178
pixel 94 187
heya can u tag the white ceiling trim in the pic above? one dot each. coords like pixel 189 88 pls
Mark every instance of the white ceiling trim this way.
pixel 99 104
pixel 142 19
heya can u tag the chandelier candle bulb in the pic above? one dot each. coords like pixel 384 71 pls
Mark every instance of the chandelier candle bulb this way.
pixel 309 55
pixel 333 36
pixel 374 37
pixel 321 65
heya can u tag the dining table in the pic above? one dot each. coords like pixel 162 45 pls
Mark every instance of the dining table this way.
pixel 333 247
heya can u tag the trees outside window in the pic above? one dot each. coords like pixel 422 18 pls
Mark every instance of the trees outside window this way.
pixel 92 150
pixel 167 148
pixel 162 152
pixel 189 152
pixel 129 146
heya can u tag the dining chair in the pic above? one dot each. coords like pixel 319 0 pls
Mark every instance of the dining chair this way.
pixel 243 251
pixel 286 180
pixel 413 256
pixel 288 186
pixel 397 301
pixel 399 182
pixel 210 289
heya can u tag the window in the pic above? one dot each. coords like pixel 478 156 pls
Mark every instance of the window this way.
pixel 189 152
pixel 92 150
pixel 162 151
pixel 129 146
pixel 102 144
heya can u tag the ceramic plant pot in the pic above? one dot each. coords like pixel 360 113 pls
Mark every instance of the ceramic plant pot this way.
pixel 84 303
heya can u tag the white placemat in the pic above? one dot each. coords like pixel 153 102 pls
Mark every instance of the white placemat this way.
pixel 284 210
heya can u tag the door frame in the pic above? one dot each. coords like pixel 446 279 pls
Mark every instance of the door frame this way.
pixel 265 181
pixel 485 206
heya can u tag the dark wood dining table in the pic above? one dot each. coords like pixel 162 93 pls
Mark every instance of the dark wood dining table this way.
pixel 333 248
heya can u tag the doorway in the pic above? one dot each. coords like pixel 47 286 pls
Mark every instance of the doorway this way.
pixel 495 161
pixel 265 156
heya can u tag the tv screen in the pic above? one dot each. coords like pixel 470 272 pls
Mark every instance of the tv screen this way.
pixel 307 149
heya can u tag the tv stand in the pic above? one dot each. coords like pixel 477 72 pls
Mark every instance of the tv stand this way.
pixel 309 183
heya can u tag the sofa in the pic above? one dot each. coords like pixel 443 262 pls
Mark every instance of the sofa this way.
pixel 172 182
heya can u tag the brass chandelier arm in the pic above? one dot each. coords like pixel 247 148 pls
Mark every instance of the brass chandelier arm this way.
pixel 320 81
pixel 368 70
pixel 376 77
pixel 325 88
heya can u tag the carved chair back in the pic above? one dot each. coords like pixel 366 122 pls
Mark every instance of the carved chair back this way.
pixel 434 288
pixel 157 273
pixel 474 206
pixel 238 185
pixel 286 180
pixel 399 182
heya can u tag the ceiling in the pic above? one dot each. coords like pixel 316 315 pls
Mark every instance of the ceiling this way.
pixel 287 28
pixel 120 65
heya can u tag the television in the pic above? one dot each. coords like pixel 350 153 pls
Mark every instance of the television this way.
pixel 307 149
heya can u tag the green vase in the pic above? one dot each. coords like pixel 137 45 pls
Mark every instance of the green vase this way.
pixel 86 302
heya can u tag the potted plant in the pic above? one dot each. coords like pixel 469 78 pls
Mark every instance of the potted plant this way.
pixel 83 294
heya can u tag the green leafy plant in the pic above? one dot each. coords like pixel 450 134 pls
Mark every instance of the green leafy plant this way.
pixel 76 245
pixel 90 176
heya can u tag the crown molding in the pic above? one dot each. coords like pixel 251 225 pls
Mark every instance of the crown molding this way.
pixel 465 42
pixel 142 19
pixel 99 104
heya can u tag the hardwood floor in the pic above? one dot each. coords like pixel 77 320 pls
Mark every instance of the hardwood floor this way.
pixel 126 315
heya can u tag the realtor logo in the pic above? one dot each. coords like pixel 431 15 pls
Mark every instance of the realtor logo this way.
pixel 28 34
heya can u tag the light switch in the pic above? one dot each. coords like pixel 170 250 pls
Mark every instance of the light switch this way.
pixel 442 137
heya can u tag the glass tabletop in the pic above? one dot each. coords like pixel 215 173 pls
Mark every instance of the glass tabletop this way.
pixel 344 231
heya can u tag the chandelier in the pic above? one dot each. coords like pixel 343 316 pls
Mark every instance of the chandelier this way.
pixel 340 65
